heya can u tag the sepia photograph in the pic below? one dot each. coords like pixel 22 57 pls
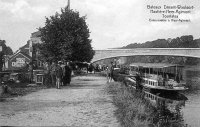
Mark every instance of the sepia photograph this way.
pixel 100 63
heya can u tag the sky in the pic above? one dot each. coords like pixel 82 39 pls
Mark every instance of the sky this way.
pixel 112 23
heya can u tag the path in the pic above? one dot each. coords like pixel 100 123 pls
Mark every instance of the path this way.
pixel 84 103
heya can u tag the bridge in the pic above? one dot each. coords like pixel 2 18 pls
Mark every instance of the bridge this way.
pixel 111 53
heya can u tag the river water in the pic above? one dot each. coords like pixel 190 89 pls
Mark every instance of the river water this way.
pixel 178 109
pixel 191 110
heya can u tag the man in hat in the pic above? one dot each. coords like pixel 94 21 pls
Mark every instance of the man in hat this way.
pixel 67 73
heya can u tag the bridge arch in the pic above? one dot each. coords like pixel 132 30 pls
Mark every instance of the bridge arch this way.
pixel 112 53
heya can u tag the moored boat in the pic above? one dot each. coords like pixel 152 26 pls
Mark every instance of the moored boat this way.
pixel 158 76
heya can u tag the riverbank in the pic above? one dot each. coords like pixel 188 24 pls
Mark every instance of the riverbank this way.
pixel 132 110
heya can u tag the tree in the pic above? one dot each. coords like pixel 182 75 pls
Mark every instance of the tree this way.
pixel 179 42
pixel 66 36
pixel 6 50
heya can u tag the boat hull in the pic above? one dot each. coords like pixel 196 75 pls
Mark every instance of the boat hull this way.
pixel 182 88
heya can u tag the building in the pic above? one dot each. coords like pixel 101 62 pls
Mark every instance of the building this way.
pixel 34 53
pixel 25 54
pixel 19 60
pixel 35 39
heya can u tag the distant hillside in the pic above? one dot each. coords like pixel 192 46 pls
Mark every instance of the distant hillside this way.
pixel 179 42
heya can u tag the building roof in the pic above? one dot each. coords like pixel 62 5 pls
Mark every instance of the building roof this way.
pixel 36 34
pixel 26 55
pixel 22 53
pixel 25 46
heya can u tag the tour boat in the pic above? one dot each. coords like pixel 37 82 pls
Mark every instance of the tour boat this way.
pixel 158 76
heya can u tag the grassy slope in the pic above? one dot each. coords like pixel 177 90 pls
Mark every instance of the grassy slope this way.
pixel 131 109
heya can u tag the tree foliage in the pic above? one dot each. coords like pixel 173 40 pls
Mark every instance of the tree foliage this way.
pixel 6 50
pixel 66 36
pixel 179 42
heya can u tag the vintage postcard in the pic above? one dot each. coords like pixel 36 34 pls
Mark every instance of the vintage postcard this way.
pixel 100 63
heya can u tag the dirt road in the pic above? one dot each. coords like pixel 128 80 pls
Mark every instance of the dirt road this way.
pixel 84 103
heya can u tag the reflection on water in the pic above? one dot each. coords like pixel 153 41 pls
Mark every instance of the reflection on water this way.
pixel 179 111
pixel 192 105
pixel 167 108
pixel 176 109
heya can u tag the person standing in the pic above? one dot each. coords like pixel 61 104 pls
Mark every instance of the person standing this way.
pixel 53 73
pixel 107 73
pixel 138 81
pixel 67 74
pixel 47 77
pixel 63 73
pixel 59 74
pixel 110 72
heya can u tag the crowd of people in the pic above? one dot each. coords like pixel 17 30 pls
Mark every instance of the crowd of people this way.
pixel 57 74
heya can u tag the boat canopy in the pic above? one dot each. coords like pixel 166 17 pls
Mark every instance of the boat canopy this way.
pixel 154 65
